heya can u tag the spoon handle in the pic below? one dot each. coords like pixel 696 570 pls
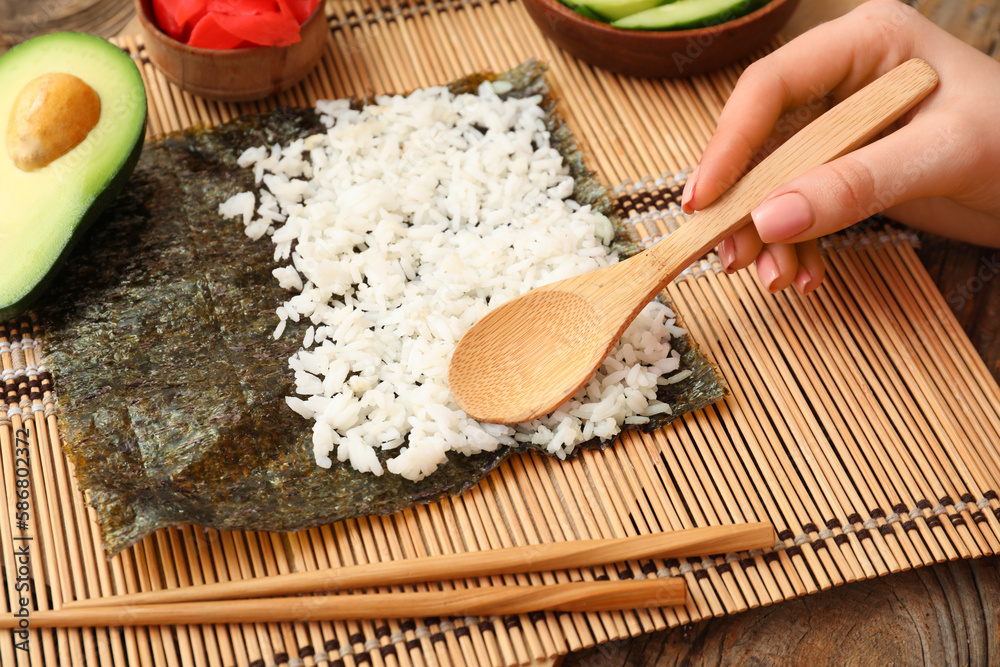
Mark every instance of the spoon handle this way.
pixel 840 130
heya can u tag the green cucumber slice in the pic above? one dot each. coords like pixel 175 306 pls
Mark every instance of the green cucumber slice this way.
pixel 688 14
pixel 589 13
pixel 584 10
pixel 612 10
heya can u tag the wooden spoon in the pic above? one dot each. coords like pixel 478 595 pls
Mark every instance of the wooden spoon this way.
pixel 527 357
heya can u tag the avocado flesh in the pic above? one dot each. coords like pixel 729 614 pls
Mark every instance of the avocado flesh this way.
pixel 46 210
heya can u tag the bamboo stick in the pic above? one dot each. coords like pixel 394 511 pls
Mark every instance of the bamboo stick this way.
pixel 534 558
pixel 581 596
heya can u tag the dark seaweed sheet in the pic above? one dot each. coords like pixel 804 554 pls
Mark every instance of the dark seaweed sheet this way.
pixel 171 387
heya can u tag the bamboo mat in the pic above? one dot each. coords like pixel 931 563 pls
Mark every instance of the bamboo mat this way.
pixel 861 421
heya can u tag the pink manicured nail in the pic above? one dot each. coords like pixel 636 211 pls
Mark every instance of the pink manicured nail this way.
pixel 767 270
pixel 727 254
pixel 783 217
pixel 688 194
pixel 803 282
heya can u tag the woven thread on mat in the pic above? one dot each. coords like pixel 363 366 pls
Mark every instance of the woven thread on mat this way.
pixel 650 208
pixel 23 382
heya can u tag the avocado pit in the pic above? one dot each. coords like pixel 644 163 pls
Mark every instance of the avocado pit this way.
pixel 52 114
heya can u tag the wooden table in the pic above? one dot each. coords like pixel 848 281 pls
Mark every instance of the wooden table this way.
pixel 945 614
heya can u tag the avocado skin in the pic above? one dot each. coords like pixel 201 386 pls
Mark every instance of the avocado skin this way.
pixel 114 184
pixel 100 204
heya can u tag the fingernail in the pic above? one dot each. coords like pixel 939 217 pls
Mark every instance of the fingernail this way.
pixel 767 270
pixel 727 254
pixel 782 217
pixel 803 282
pixel 688 194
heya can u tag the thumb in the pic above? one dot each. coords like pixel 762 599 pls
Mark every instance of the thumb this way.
pixel 897 168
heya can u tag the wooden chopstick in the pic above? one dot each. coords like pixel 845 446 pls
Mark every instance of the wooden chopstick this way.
pixel 581 596
pixel 511 560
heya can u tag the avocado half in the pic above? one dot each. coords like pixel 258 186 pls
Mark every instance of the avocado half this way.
pixel 47 209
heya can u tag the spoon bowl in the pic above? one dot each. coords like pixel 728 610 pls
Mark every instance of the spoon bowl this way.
pixel 566 336
pixel 530 355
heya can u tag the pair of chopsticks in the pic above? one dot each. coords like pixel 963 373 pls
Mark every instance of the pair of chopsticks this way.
pixel 286 597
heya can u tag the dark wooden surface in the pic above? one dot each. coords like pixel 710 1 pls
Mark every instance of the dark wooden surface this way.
pixel 946 614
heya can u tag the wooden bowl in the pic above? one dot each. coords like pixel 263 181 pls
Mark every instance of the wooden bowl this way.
pixel 658 53
pixel 236 75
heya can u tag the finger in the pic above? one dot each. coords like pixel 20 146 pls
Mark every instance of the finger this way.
pixel 777 266
pixel 869 180
pixel 787 126
pixel 800 74
pixel 811 269
pixel 739 250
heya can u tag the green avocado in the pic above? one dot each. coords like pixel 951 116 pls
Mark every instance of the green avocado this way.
pixel 73 111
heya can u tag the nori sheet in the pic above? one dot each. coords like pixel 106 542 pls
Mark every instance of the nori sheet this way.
pixel 170 385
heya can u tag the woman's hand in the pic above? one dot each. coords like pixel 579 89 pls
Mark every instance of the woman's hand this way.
pixel 938 171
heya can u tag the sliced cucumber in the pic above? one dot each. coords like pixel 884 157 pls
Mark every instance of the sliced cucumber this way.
pixel 688 14
pixel 612 10
pixel 590 13
pixel 584 9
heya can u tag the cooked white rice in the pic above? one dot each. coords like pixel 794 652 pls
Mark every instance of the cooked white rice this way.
pixel 399 228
